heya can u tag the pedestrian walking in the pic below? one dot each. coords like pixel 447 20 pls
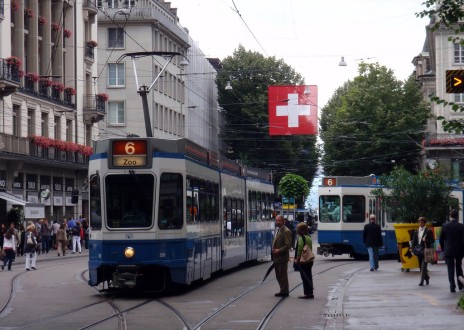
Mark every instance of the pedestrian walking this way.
pixel 9 247
pixel 305 268
pixel 422 237
pixel 452 243
pixel 45 234
pixel 61 240
pixel 372 237
pixel 280 255
pixel 76 237
pixel 30 247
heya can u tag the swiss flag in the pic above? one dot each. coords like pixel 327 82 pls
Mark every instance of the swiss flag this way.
pixel 292 110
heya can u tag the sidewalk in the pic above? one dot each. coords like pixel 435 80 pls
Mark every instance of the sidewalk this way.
pixel 52 254
pixel 389 299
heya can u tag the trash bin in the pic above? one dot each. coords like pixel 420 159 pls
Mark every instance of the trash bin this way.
pixel 403 233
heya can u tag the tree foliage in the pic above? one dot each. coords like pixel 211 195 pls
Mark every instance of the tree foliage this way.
pixel 245 132
pixel 370 122
pixel 411 196
pixel 293 185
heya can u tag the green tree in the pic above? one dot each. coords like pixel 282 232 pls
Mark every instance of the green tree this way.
pixel 245 132
pixel 293 185
pixel 370 122
pixel 411 196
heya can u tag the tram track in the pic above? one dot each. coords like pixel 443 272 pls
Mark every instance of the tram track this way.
pixel 232 301
pixel 126 313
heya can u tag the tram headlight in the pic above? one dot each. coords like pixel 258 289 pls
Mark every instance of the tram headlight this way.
pixel 129 252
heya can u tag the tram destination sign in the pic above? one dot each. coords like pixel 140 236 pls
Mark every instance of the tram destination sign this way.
pixel 129 153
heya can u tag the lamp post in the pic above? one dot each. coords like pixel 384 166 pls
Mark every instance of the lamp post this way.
pixel 143 90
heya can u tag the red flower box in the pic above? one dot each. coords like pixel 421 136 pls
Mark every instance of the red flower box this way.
pixel 67 33
pixel 28 13
pixel 46 82
pixel 55 26
pixel 13 61
pixel 70 91
pixel 42 20
pixel 58 86
pixel 32 76
pixel 103 97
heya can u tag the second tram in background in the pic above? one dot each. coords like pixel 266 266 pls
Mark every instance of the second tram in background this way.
pixel 170 212
pixel 345 203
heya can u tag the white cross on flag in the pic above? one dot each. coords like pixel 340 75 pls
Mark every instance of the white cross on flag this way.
pixel 292 110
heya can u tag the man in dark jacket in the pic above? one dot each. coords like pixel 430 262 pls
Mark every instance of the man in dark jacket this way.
pixel 372 237
pixel 280 255
pixel 452 244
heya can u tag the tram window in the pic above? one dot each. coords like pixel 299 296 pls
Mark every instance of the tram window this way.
pixel 329 207
pixel 353 208
pixel 170 211
pixel 95 203
pixel 129 200
pixel 192 200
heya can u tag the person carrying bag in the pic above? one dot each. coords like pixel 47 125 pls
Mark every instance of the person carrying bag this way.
pixel 422 240
pixel 304 260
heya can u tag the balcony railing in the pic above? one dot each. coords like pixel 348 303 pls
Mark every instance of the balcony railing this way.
pixel 9 78
pixel 8 71
pixel 21 146
pixel 94 103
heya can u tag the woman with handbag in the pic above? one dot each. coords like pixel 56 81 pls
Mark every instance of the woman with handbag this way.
pixel 30 247
pixel 422 239
pixel 304 260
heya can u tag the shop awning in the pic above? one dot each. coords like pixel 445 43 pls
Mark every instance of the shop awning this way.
pixel 12 198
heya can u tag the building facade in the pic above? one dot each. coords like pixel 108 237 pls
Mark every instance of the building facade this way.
pixel 183 100
pixel 49 105
pixel 438 55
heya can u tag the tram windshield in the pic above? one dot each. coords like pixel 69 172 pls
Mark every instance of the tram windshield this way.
pixel 129 200
pixel 351 209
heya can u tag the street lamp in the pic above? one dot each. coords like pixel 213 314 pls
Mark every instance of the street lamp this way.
pixel 143 90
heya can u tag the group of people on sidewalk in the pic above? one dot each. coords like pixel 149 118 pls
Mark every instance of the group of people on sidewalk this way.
pixel 451 243
pixel 41 237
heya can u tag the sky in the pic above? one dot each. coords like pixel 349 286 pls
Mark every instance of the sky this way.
pixel 311 35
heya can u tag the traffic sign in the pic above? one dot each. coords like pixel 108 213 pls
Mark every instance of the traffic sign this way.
pixel 455 81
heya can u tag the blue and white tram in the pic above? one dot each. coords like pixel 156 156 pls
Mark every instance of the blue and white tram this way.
pixel 155 213
pixel 344 207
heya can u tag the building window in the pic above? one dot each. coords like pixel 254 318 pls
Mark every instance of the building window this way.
pixel 116 74
pixel 16 120
pixel 44 125
pixel 69 130
pixel 129 4
pixel 115 38
pixel 458 54
pixel 459 98
pixel 30 122
pixel 112 3
pixel 116 113
pixel 57 127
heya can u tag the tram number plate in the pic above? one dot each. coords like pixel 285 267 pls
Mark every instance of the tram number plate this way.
pixel 330 182
pixel 129 153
